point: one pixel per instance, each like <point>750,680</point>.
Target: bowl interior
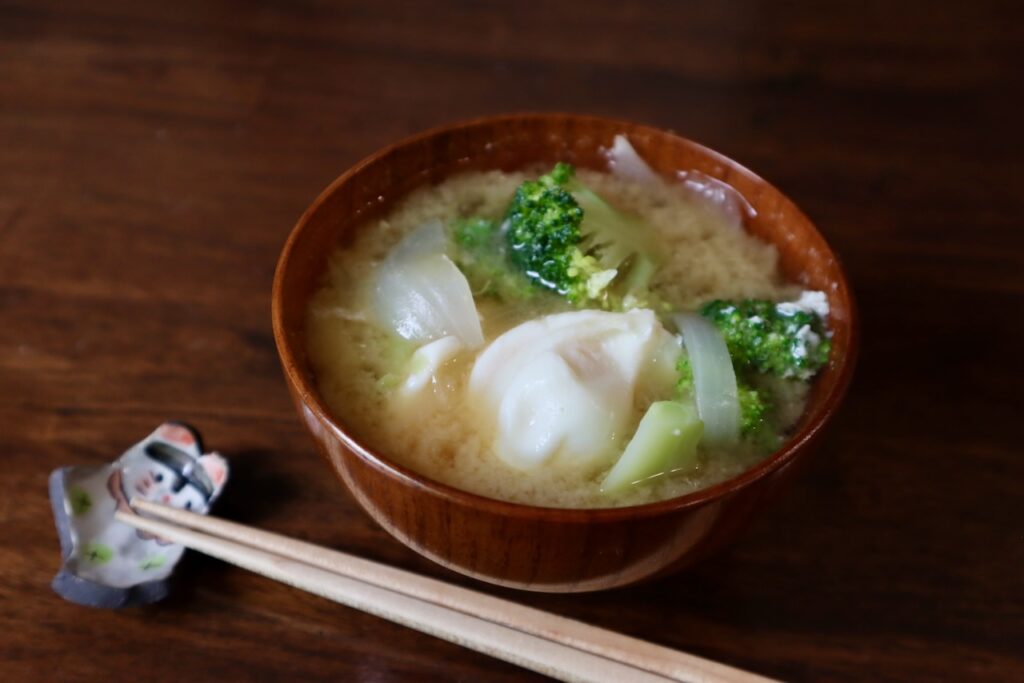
<point>370,188</point>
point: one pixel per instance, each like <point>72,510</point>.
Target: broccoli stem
<point>666,440</point>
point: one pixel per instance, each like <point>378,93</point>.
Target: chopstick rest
<point>106,562</point>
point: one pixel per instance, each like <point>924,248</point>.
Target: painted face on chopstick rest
<point>170,469</point>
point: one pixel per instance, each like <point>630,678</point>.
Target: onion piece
<point>714,379</point>
<point>426,239</point>
<point>422,295</point>
<point>719,194</point>
<point>626,163</point>
<point>426,363</point>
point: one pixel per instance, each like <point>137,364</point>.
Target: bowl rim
<point>779,459</point>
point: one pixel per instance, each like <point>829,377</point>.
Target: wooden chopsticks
<point>562,648</point>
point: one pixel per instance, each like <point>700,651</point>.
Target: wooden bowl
<point>534,548</point>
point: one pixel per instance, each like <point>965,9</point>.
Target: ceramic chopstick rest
<point>107,563</point>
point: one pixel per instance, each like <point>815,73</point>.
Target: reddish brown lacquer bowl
<point>535,548</point>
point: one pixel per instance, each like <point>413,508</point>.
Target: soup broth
<point>358,364</point>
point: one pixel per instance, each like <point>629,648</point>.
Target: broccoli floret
<point>566,238</point>
<point>481,256</point>
<point>753,410</point>
<point>544,229</point>
<point>475,234</point>
<point>754,405</point>
<point>772,338</point>
<point>684,386</point>
<point>395,354</point>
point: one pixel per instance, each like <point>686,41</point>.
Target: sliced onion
<point>626,163</point>
<point>714,379</point>
<point>426,239</point>
<point>422,295</point>
<point>721,195</point>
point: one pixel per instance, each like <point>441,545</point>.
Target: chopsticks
<point>562,648</point>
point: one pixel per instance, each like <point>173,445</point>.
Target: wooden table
<point>153,157</point>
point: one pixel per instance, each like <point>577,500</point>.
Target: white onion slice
<point>714,379</point>
<point>626,163</point>
<point>422,295</point>
<point>721,195</point>
<point>426,239</point>
<point>426,363</point>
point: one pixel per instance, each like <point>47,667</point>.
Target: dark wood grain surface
<point>153,157</point>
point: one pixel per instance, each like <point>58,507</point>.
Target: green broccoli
<point>480,254</point>
<point>773,338</point>
<point>665,440</point>
<point>684,387</point>
<point>754,405</point>
<point>566,238</point>
<point>754,409</point>
<point>475,234</point>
